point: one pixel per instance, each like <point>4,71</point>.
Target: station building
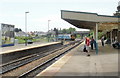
<point>109,25</point>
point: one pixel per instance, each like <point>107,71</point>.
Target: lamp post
<point>48,29</point>
<point>26,27</point>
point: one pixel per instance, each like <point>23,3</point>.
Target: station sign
<point>6,35</point>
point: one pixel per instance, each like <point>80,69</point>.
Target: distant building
<point>20,34</point>
<point>40,33</point>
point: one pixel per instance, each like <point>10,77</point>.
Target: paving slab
<point>77,63</point>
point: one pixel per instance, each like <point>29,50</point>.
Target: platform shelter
<point>93,21</point>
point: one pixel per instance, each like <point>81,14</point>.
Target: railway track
<point>34,71</point>
<point>20,62</point>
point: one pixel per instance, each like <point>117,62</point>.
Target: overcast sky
<point>13,12</point>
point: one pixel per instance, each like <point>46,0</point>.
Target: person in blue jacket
<point>96,46</point>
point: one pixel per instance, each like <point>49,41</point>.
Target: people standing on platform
<point>102,41</point>
<point>92,42</point>
<point>95,44</point>
<point>87,42</point>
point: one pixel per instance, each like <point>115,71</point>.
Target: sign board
<point>7,35</point>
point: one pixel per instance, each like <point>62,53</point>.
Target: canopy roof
<point>88,20</point>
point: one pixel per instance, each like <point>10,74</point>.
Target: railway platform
<point>12,53</point>
<point>77,63</point>
<point>19,46</point>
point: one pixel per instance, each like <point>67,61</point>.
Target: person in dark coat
<point>92,42</point>
<point>102,41</point>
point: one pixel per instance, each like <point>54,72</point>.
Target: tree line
<point>17,29</point>
<point>65,31</point>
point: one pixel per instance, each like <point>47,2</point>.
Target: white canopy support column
<point>97,24</point>
<point>94,33</point>
<point>97,32</point>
